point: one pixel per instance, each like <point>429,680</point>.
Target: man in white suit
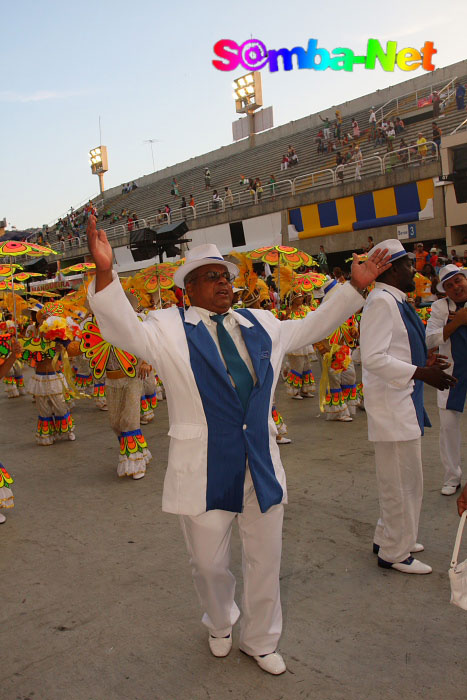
<point>395,365</point>
<point>220,368</point>
<point>447,330</point>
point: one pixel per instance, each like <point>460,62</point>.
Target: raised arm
<point>101,252</point>
<point>345,301</point>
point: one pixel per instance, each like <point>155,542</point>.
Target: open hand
<point>436,360</point>
<point>365,273</point>
<point>99,246</point>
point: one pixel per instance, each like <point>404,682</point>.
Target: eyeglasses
<point>215,276</point>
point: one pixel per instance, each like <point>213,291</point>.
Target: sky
<point>145,68</point>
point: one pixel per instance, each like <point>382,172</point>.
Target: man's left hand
<point>365,273</point>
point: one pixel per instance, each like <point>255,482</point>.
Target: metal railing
<point>410,155</point>
<point>458,128</point>
<point>417,95</point>
<point>320,178</point>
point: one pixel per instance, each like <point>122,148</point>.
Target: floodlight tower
<point>99,163</point>
<point>248,96</point>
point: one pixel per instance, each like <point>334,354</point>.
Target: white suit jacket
<point>161,340</point>
<point>387,368</point>
<point>440,311</point>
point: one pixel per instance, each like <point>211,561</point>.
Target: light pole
<point>151,141</point>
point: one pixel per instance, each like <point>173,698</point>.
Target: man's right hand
<point>434,376</point>
<point>101,252</point>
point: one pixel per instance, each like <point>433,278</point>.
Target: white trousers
<point>450,445</point>
<point>400,489</point>
<point>207,537</point>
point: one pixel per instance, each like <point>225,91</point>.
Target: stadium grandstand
<point>383,187</point>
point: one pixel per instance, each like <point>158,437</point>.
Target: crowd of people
<point>220,342</point>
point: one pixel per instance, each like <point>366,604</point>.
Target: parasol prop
<point>13,249</point>
<point>79,267</point>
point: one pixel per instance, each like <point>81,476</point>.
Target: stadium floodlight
<point>99,163</point>
<point>248,93</point>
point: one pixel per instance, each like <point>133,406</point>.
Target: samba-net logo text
<point>253,55</point>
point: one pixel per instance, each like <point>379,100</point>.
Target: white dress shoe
<point>220,646</point>
<point>271,663</point>
<point>298,397</point>
<point>139,475</point>
<point>282,440</point>
<point>2,518</point>
<point>449,490</point>
<point>345,419</point>
<point>408,566</point>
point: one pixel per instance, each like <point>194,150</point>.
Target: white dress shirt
<point>233,329</point>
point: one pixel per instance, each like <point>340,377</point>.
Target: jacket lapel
<point>198,335</point>
<point>260,353</point>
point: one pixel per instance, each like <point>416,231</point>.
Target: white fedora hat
<point>394,247</point>
<point>197,257</point>
<point>446,273</point>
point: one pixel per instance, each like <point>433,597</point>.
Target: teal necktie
<point>235,365</point>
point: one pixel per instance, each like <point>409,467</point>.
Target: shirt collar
<point>205,315</point>
<point>398,293</point>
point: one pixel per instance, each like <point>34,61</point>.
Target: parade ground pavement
<point>97,597</point>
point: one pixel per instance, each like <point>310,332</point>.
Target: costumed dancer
<point>47,384</point>
<point>258,298</point>
<point>447,330</point>
<point>300,379</point>
<point>339,396</point>
<point>7,359</point>
<point>123,387</point>
<point>13,379</point>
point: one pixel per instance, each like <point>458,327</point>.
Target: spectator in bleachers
<point>399,125</point>
<point>326,127</point>
<point>134,186</point>
<point>107,214</point>
<point>216,200</point>
<point>252,188</point>
<point>422,147</point>
<point>272,186</point>
<point>229,196</point>
<point>244,180</point>
<point>183,207</point>
<point>319,140</point>
<point>167,210</point>
<point>340,167</point>
<point>192,201</point>
<point>292,156</point>
<point>134,216</point>
<point>284,162</point>
<point>460,96</point>
<point>175,192</point>
<point>380,137</point>
<point>436,102</point>
<point>358,158</point>
<point>130,224</point>
<point>207,179</point>
<point>436,137</point>
<point>259,189</point>
<point>338,117</point>
<point>159,217</point>
<point>390,136</point>
<point>355,128</point>
<point>372,123</point>
<point>337,130</point>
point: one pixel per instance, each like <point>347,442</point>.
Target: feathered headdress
<point>247,277</point>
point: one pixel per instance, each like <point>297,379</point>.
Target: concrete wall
<point>441,75</point>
